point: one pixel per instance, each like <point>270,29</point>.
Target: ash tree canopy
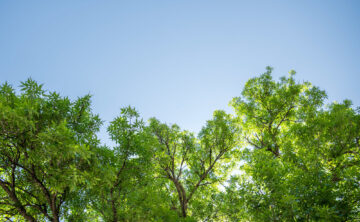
<point>301,159</point>
<point>282,156</point>
<point>46,149</point>
<point>194,167</point>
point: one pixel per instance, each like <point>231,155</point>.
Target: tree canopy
<point>282,155</point>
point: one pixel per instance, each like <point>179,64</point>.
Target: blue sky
<point>178,60</point>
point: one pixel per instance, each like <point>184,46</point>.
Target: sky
<point>177,61</point>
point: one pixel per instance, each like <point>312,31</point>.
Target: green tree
<point>192,167</point>
<point>46,146</point>
<point>123,172</point>
<point>302,160</point>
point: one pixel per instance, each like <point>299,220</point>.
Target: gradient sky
<point>177,60</point>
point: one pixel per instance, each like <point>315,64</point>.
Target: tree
<point>123,172</point>
<point>301,162</point>
<point>191,166</point>
<point>46,146</point>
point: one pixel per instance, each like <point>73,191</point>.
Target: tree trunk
<point>184,209</point>
<point>182,197</point>
<point>54,209</point>
<point>113,206</point>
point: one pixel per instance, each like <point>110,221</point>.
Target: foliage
<point>282,156</point>
<point>46,142</point>
<point>301,162</point>
<point>194,167</point>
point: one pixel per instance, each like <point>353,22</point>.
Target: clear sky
<point>177,60</point>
